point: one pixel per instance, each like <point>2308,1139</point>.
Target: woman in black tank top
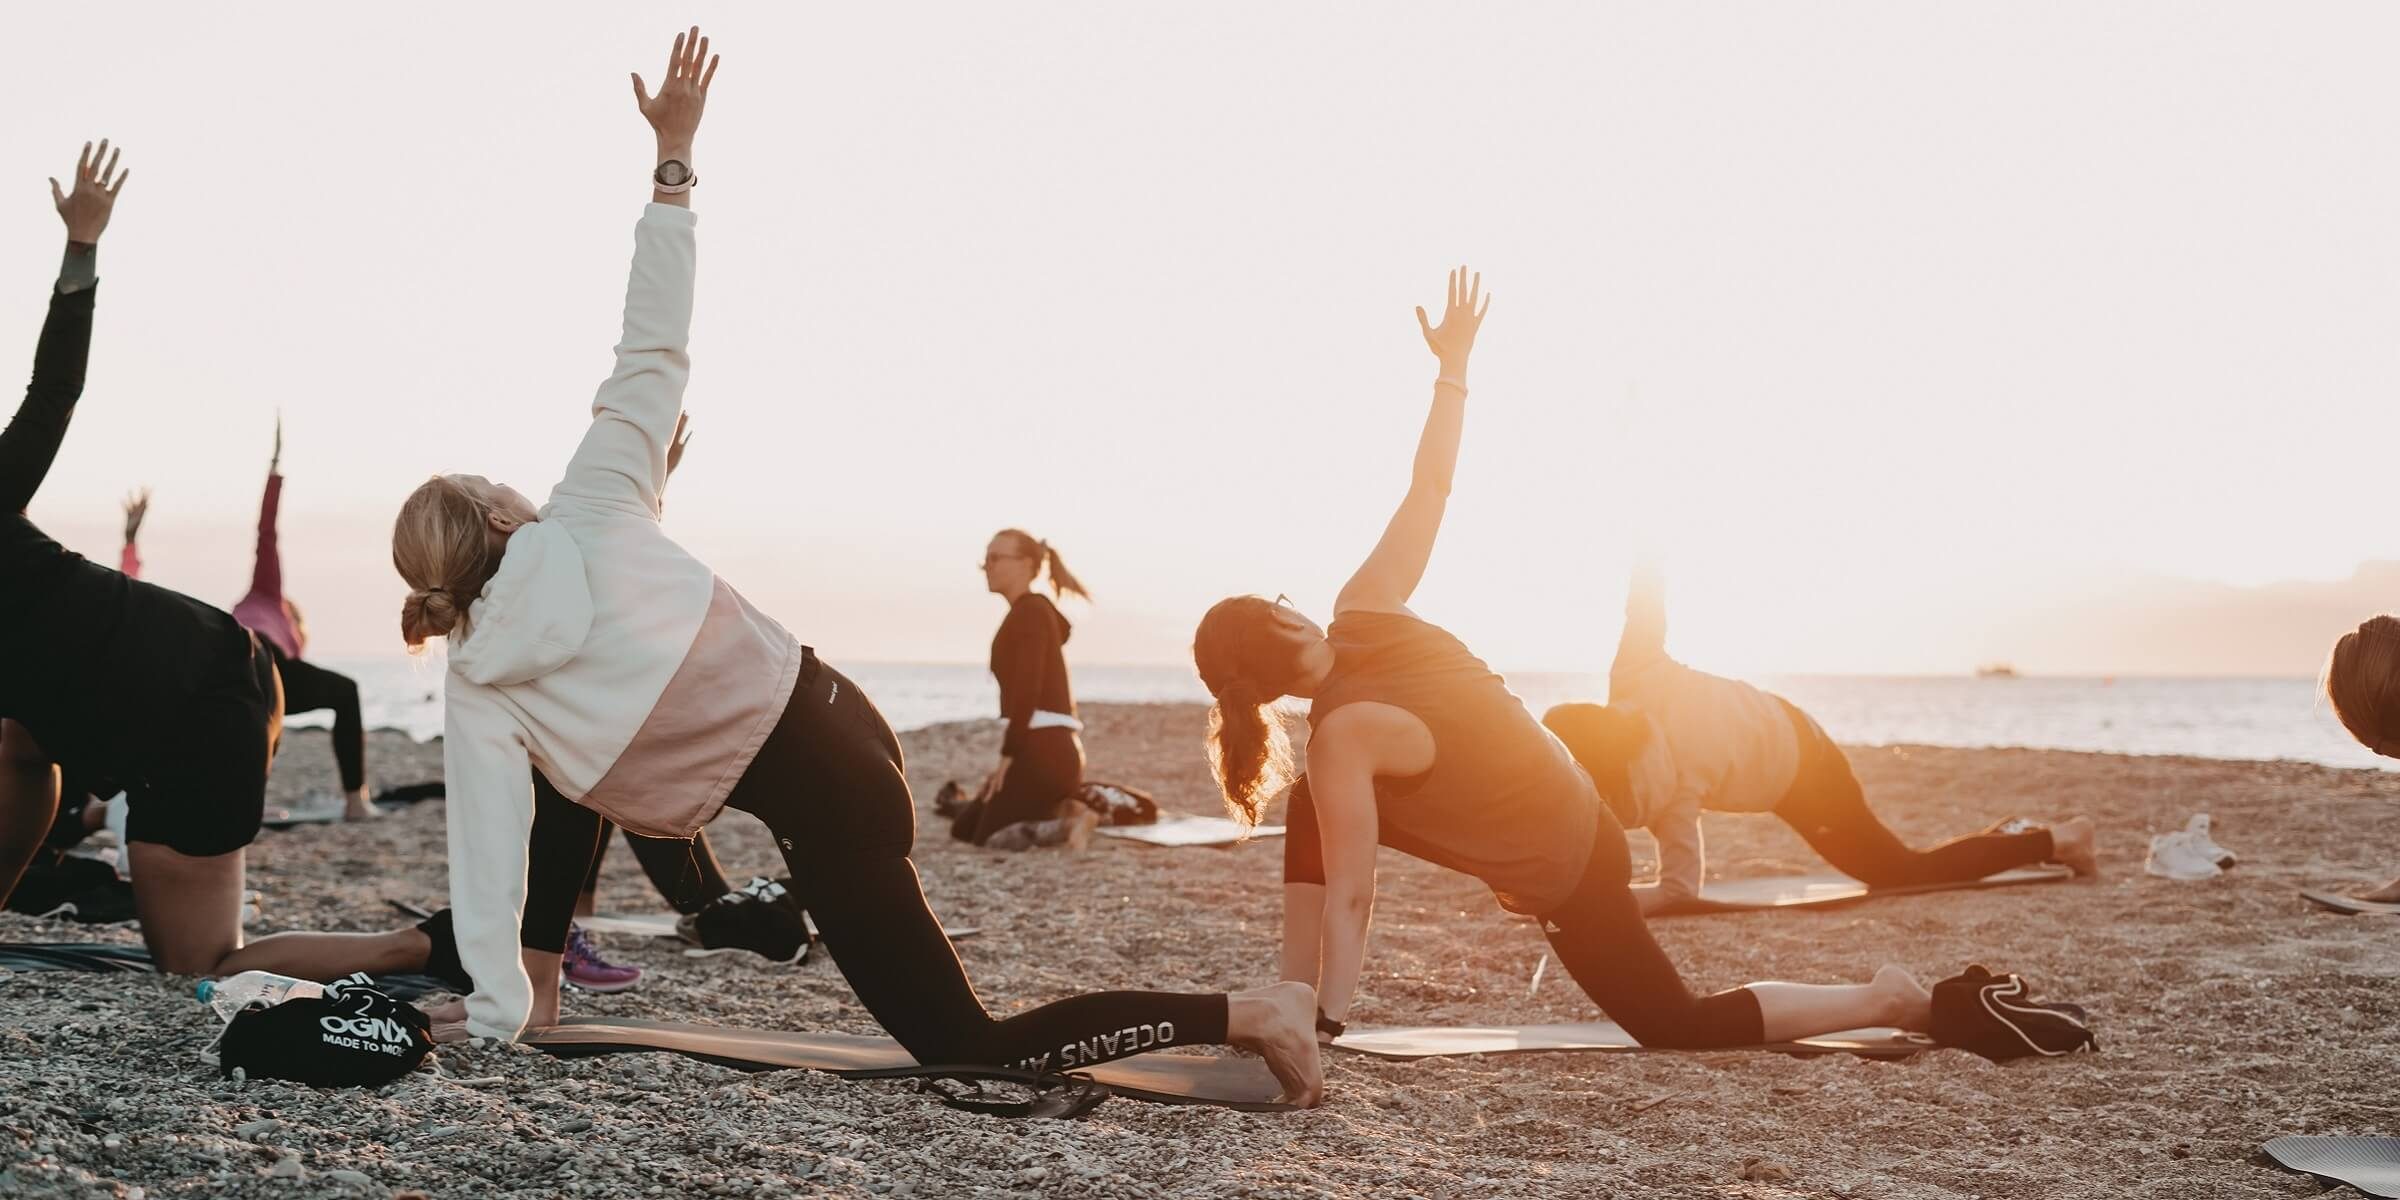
<point>1417,745</point>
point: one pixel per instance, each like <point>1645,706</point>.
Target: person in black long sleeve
<point>1030,798</point>
<point>111,676</point>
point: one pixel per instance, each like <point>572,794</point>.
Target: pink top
<point>262,611</point>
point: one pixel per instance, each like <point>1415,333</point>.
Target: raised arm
<point>30,443</point>
<point>1391,573</point>
<point>266,566</point>
<point>622,463</point>
<point>1645,635</point>
<point>137,506</point>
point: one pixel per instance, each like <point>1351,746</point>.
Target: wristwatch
<point>673,175</point>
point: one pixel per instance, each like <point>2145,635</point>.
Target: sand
<point>2229,1013</point>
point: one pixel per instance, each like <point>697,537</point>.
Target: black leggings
<point>687,874</point>
<point>828,783</point>
<point>308,687</point>
<point>1601,939</point>
<point>1828,809</point>
<point>1048,770</point>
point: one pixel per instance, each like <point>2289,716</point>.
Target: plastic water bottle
<point>234,993</point>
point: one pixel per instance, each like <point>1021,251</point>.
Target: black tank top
<point>1504,801</point>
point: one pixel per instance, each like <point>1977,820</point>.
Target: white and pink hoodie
<point>601,652</point>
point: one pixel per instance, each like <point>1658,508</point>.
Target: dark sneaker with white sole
<point>763,918</point>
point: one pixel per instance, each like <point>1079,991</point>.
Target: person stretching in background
<point>1672,741</point>
<point>2362,682</point>
<point>307,687</point>
<point>118,678</point>
<point>1030,798</point>
<point>1417,745</point>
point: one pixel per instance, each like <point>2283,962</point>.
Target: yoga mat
<point>326,811</point>
<point>120,958</point>
<point>107,957</point>
<point>2370,1164</point>
<point>1189,831</point>
<point>1240,1083</point>
<point>662,925</point>
<point>1596,1037</point>
<point>1829,890</point>
<point>2350,904</point>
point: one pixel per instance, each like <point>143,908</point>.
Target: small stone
<point>442,1131</point>
<point>1759,1170</point>
<point>287,1167</point>
<point>354,1178</point>
<point>575,1125</point>
<point>112,1141</point>
<point>251,1130</point>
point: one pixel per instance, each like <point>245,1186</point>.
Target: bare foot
<point>1906,1002</point>
<point>2387,894</point>
<point>359,806</point>
<point>1081,821</point>
<point>2075,842</point>
<point>1280,1023</point>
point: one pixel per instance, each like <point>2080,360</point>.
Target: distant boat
<point>1995,671</point>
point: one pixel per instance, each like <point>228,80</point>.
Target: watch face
<point>673,171</point>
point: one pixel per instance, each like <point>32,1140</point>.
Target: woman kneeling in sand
<point>1416,744</point>
<point>586,642</point>
<point>1672,741</point>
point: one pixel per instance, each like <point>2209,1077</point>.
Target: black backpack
<point>1997,1017</point>
<point>352,1036</point>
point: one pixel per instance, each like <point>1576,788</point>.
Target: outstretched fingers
<point>706,79</point>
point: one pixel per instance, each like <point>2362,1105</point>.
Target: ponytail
<point>1235,648</point>
<point>1249,750</point>
<point>1062,580</point>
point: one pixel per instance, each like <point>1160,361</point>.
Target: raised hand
<point>137,506</point>
<point>1453,339</point>
<point>674,113</point>
<point>675,444</point>
<point>86,208</point>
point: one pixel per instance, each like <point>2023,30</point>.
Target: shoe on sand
<point>763,917</point>
<point>583,969</point>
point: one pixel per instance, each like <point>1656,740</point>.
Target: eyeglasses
<point>992,560</point>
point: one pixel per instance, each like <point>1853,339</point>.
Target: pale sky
<point>1897,328</point>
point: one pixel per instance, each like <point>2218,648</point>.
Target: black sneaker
<point>763,918</point>
<point>951,800</point>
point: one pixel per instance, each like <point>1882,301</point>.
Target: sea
<point>2257,719</point>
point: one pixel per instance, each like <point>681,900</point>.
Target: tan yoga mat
<point>1161,1078</point>
<point>1190,831</point>
<point>1597,1037</point>
<point>662,925</point>
<point>1829,890</point>
<point>2349,904</point>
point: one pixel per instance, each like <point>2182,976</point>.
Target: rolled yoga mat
<point>1190,831</point>
<point>1829,890</point>
<point>2370,1164</point>
<point>1597,1037</point>
<point>1239,1083</point>
<point>2349,904</point>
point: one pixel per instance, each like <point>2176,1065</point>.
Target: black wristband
<point>1329,1027</point>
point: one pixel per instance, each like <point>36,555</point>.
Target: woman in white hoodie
<point>585,642</point>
